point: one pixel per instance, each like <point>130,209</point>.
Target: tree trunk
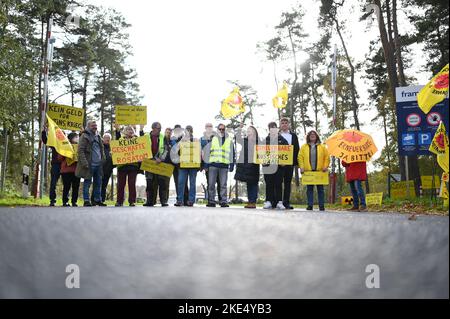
<point>85,84</point>
<point>352,76</point>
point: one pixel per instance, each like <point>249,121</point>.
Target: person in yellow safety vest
<point>161,152</point>
<point>221,160</point>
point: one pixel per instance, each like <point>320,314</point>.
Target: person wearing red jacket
<point>355,174</point>
<point>68,168</point>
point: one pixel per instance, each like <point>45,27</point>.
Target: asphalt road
<point>220,253</point>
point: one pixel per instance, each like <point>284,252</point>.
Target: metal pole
<point>333,159</point>
<point>407,175</point>
<point>44,106</point>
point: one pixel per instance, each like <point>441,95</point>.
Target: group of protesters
<point>218,158</point>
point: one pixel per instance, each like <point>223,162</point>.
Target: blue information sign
<point>415,128</point>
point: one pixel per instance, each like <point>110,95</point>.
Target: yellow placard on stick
<point>427,182</point>
<point>190,155</point>
<point>403,190</point>
<point>374,199</point>
<point>133,150</point>
<point>162,169</point>
<point>66,117</point>
<point>274,154</point>
<point>131,115</point>
<point>315,178</point>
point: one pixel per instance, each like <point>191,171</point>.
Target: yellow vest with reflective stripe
<point>220,153</point>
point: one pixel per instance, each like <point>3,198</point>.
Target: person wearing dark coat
<point>273,173</point>
<point>246,169</point>
<point>55,171</point>
<point>288,170</point>
<point>107,166</point>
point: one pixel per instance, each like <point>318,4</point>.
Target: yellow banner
<point>374,199</point>
<point>190,155</point>
<point>233,105</point>
<point>399,190</point>
<point>133,150</point>
<point>57,139</point>
<point>434,92</point>
<point>162,169</point>
<point>281,98</point>
<point>66,117</point>
<point>427,182</point>
<point>131,115</point>
<point>315,178</point>
<point>274,154</point>
<point>440,147</point>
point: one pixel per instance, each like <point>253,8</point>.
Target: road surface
<point>140,252</point>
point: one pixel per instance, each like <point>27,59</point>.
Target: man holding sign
<point>313,160</point>
<point>288,170</point>
<point>160,146</point>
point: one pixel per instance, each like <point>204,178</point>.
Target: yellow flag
<point>57,139</point>
<point>280,100</point>
<point>439,146</point>
<point>434,92</point>
<point>233,105</point>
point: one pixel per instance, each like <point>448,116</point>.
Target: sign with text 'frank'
<point>274,154</point>
<point>131,115</point>
<point>133,150</point>
<point>66,117</point>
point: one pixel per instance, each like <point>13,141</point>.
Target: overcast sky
<point>185,51</point>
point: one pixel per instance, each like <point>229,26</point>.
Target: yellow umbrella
<point>351,146</point>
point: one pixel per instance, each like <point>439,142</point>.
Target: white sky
<point>185,51</point>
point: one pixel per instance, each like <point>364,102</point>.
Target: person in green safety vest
<point>220,161</point>
<point>160,150</point>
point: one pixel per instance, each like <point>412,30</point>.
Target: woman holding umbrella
<point>354,148</point>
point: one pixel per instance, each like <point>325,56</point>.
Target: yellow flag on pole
<point>233,105</point>
<point>440,147</point>
<point>281,98</point>
<point>434,92</point>
<point>59,140</point>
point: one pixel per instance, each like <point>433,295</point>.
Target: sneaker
<point>178,204</point>
<point>309,208</point>
<point>164,205</point>
<point>74,205</point>
<point>267,205</point>
<point>210,205</point>
<point>224,205</point>
<point>288,206</point>
<point>52,204</point>
<point>132,205</point>
<point>118,205</point>
<point>190,204</point>
<point>250,205</point>
<point>322,208</point>
<point>363,208</point>
<point>100,204</point>
<point>87,204</point>
<point>354,209</point>
<point>146,204</point>
<point>66,205</point>
<point>280,206</point>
